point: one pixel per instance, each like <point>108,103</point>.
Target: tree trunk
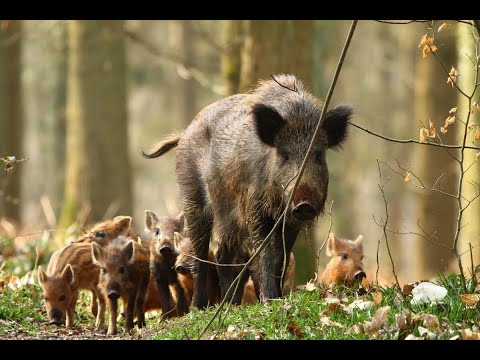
<point>10,115</point>
<point>276,46</point>
<point>98,172</point>
<point>433,100</point>
<point>231,58</point>
<point>272,47</point>
<point>466,81</point>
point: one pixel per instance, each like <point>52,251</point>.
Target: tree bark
<point>98,171</point>
<point>11,122</point>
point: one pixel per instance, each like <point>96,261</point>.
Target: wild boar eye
<point>319,156</point>
<point>100,234</point>
<point>62,298</point>
<point>104,271</point>
<point>121,270</point>
<point>157,232</point>
<point>344,256</point>
<point>284,155</point>
<point>45,298</point>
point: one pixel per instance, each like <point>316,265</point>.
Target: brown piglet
<point>104,232</point>
<point>124,273</point>
<point>71,269</point>
<point>162,261</point>
<point>345,266</point>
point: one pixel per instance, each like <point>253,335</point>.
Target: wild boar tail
<point>168,143</point>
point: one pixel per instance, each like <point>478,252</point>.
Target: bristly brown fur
<point>168,143</point>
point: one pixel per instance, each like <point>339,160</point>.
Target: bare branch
<point>408,141</point>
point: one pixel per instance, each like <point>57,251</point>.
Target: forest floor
<point>310,312</point>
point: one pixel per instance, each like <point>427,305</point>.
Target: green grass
<point>302,315</point>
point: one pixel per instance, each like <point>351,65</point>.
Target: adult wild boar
<point>236,166</point>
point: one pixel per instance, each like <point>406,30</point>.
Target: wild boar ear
<point>97,253</point>
<point>129,251</point>
<point>181,220</point>
<point>335,125</point>
<point>359,242</point>
<point>124,222</point>
<point>151,220</point>
<point>268,122</point>
<point>177,238</point>
<point>331,244</point>
<point>42,276</point>
<point>68,275</point>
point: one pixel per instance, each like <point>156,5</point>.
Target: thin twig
<point>411,141</point>
<point>297,181</point>
<point>384,227</point>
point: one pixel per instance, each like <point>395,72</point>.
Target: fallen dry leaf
<point>427,334</point>
<point>365,283</point>
<point>295,329</point>
<point>407,288</point>
<point>408,178</point>
<point>359,304</point>
<point>470,299</point>
<point>377,297</point>
<point>443,27</point>
<point>325,321</point>
<point>231,328</point>
<point>379,319</point>
<point>468,334</point>
<point>401,322</point>
<point>413,337</point>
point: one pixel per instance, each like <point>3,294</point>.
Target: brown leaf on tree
<point>295,329</point>
<point>423,41</point>
<point>8,166</point>
<point>443,27</point>
<point>433,132</point>
<point>453,110</point>
<point>477,133</point>
<point>450,120</point>
<point>470,299</point>
<point>477,156</point>
<point>475,107</point>
<point>423,134</point>
<point>452,78</point>
<point>408,178</point>
<point>443,130</point>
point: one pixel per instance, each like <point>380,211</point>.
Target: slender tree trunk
<point>466,81</point>
<point>98,172</point>
<point>10,115</point>
<point>276,46</point>
<point>433,100</point>
<point>231,58</point>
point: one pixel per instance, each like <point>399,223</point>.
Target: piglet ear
<point>335,125</point>
<point>359,242</point>
<point>151,220</point>
<point>331,242</point>
<point>42,276</point>
<point>68,275</point>
<point>268,123</point>
<point>124,223</point>
<point>129,251</point>
<point>97,253</point>
<point>177,238</point>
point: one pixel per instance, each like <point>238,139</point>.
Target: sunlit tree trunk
<point>98,172</point>
<point>10,116</point>
<point>466,81</point>
<point>434,98</point>
<point>231,58</point>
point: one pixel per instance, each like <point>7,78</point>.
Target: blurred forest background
<point>81,99</point>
